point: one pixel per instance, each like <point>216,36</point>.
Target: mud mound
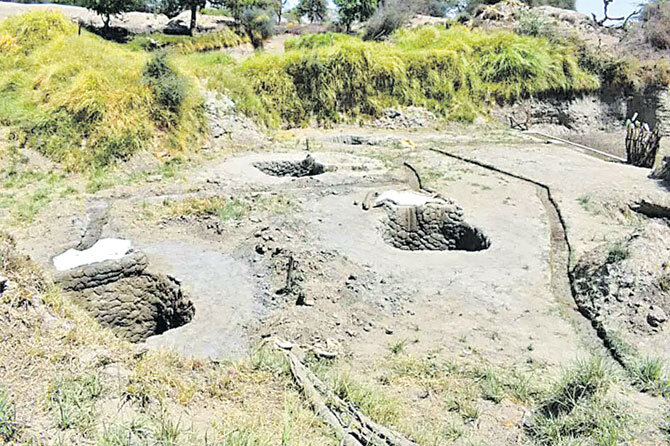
<point>305,168</point>
<point>431,227</point>
<point>627,282</point>
<point>123,296</point>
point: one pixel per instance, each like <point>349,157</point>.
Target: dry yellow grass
<point>71,381</point>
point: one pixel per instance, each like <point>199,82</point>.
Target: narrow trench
<point>562,284</point>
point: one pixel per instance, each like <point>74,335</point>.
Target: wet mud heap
<point>122,295</point>
<point>431,227</point>
<point>305,168</point>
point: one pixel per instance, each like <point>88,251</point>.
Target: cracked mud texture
<point>123,296</point>
<point>431,227</point>
<point>305,168</point>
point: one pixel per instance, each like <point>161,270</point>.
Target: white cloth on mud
<point>103,249</point>
<point>404,198</point>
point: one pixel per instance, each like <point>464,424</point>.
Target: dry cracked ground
<point>547,324</point>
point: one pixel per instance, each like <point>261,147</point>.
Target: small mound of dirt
<point>305,168</point>
<point>431,227</point>
<point>123,296</point>
<point>625,285</point>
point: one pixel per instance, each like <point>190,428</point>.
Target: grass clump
<point>650,374</point>
<point>220,207</point>
<point>319,40</point>
<point>229,208</point>
<point>618,252</point>
<point>198,43</point>
<point>72,400</point>
<point>8,423</point>
<point>578,411</point>
<point>367,397</point>
<point>80,100</point>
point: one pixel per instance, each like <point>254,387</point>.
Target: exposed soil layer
<point>305,168</point>
<point>432,227</point>
<point>123,296</point>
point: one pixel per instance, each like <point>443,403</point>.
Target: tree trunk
<point>106,21</point>
<point>194,11</point>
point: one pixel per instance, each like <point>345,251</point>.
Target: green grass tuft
<point>618,252</point>
<point>578,411</point>
<point>650,375</point>
<point>8,423</point>
<point>72,401</point>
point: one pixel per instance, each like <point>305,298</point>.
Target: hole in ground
<point>431,227</point>
<point>305,168</point>
<point>123,296</point>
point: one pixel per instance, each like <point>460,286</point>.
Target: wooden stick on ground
<point>355,428</point>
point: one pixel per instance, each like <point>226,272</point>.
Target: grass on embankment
<point>458,73</point>
<point>86,102</point>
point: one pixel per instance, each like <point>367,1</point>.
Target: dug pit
<point>429,225</point>
<point>122,295</point>
<point>305,168</point>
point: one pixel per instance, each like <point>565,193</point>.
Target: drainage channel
<point>561,274</point>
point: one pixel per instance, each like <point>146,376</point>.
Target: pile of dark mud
<point>124,296</point>
<point>431,227</point>
<point>305,168</point>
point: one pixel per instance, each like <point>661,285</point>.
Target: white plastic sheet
<point>104,249</point>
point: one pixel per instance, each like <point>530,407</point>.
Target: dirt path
<point>561,250</point>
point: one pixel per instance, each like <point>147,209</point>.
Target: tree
<point>315,10</point>
<point>279,9</point>
<point>172,8</point>
<point>194,5</point>
<point>353,10</point>
<point>254,17</point>
<point>656,23</point>
<point>108,8</point>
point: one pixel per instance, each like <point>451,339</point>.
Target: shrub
<point>257,24</point>
<point>435,8</point>
<point>387,19</point>
<point>350,11</point>
<point>472,5</point>
<point>169,88</point>
<point>656,23</point>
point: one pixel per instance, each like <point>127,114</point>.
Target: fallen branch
<point>355,428</point>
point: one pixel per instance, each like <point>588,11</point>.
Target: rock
<point>656,316</point>
<point>284,345</point>
<point>5,285</point>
